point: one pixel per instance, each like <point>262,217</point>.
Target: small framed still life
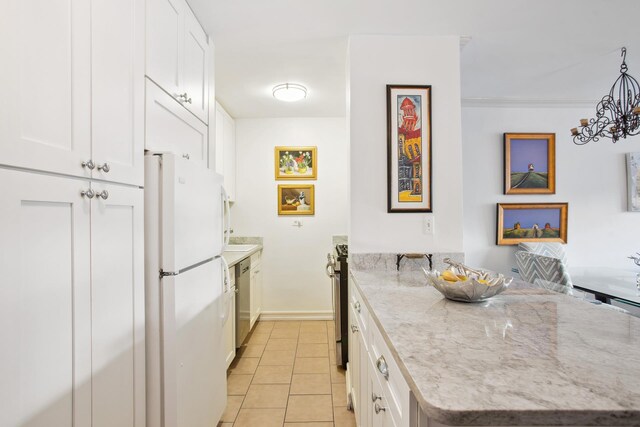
<point>296,163</point>
<point>296,199</point>
<point>532,222</point>
<point>529,163</point>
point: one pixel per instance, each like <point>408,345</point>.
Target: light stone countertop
<point>233,258</point>
<point>525,357</point>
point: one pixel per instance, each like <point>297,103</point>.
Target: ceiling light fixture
<point>617,114</point>
<point>289,92</point>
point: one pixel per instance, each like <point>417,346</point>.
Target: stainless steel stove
<point>338,271</point>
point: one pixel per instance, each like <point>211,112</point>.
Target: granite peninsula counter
<point>526,357</point>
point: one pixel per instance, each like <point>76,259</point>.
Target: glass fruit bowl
<point>461,283</point>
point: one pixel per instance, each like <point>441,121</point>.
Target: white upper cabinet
<point>73,87</point>
<point>169,127</point>
<point>177,54</point>
<point>45,81</point>
<point>225,148</point>
<point>118,90</point>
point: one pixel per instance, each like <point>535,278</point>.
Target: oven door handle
<point>331,266</point>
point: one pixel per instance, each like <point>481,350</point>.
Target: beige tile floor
<point>285,375</point>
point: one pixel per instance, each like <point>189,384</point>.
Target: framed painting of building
<point>409,148</point>
<point>529,163</point>
<point>633,182</point>
<point>296,163</point>
<point>532,222</point>
<point>296,199</point>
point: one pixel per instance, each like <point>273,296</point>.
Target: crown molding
<point>526,103</point>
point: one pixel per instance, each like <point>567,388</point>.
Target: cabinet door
<point>258,290</point>
<point>355,367</point>
<point>170,127</point>
<point>45,297</point>
<point>195,81</point>
<point>117,307</point>
<point>165,38</point>
<point>229,153</point>
<point>219,143</point>
<point>117,90</point>
<point>45,116</point>
<point>230,328</point>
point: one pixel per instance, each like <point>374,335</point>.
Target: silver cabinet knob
<point>375,397</point>
<point>381,364</point>
<point>379,408</point>
<point>104,194</point>
<point>185,156</point>
<point>183,97</point>
<point>88,193</point>
<point>237,291</point>
<point>357,306</point>
<point>354,328</point>
<point>88,164</point>
<point>104,168</point>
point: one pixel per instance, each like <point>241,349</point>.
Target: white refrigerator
<point>185,285</point>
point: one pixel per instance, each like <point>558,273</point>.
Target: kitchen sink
<point>240,248</point>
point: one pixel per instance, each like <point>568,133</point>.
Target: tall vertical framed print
<point>409,148</point>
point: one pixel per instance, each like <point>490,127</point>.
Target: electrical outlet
<point>427,225</point>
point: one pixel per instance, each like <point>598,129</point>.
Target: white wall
<point>591,178</point>
<point>374,62</point>
<point>293,258</point>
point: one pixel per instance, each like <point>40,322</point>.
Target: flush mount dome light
<point>289,92</point>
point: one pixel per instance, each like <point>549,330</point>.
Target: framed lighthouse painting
<point>529,163</point>
<point>409,148</point>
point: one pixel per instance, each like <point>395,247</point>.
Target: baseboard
<point>296,315</point>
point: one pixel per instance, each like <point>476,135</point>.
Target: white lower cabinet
<point>256,288</point>
<point>230,324</point>
<point>379,393</point>
<point>72,303</point>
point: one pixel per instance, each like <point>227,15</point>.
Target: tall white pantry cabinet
<point>71,213</point>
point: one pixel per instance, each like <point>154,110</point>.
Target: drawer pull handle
<point>375,397</point>
<point>379,408</point>
<point>354,329</point>
<point>357,306</point>
<point>381,364</point>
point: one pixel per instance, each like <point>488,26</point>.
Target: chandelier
<point>617,114</point>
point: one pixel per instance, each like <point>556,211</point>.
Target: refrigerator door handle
<point>184,270</point>
<point>227,210</point>
<point>226,286</point>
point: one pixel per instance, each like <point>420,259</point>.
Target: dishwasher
<point>243,300</point>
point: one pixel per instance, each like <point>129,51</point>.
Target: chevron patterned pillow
<point>553,250</point>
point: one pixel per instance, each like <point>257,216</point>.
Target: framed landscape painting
<point>633,182</point>
<point>296,163</point>
<point>532,222</point>
<point>409,148</point>
<point>296,199</point>
<point>529,163</point>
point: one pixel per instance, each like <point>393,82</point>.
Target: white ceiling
<point>563,50</point>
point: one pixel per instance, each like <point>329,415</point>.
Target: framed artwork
<point>532,222</point>
<point>409,148</point>
<point>633,182</point>
<point>296,199</point>
<point>296,163</point>
<point>529,163</point>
